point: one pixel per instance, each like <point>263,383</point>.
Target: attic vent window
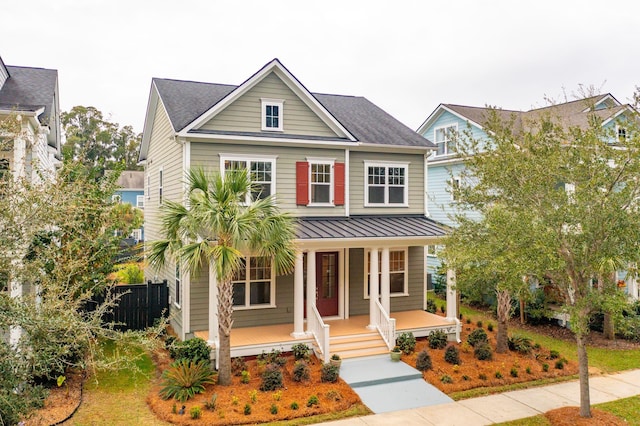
<point>272,110</point>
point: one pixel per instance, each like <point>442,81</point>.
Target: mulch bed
<point>61,403</point>
<point>472,373</point>
<point>231,400</point>
<point>570,416</point>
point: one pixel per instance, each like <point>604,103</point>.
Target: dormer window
<point>272,110</point>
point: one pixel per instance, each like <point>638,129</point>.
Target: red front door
<point>327,283</point>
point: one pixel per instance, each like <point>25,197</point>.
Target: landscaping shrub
<point>443,308</point>
<point>294,405</point>
<point>195,412</point>
<point>490,326</point>
<point>273,357</point>
<point>274,409</point>
<point>476,336</point>
<point>300,371</point>
<point>545,367</point>
<point>246,376</point>
<point>528,370</point>
<point>300,351</point>
<point>211,404</point>
<point>423,360</point>
<point>271,378</point>
<point>247,409</point>
<point>482,351</point>
<point>437,339</point>
<point>193,350</point>
<point>184,379</point>
<point>334,395</point>
<point>452,355</point>
<point>498,375</point>
<point>238,365</point>
<point>560,364</point>
<point>407,342</point>
<point>520,344</point>
<point>329,373</point>
<point>130,273</point>
<point>479,324</point>
<point>253,396</point>
<point>431,306</point>
<point>553,354</point>
<point>446,379</point>
<point>514,372</point>
<point>313,400</point>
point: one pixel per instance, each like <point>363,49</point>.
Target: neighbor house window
<point>321,182</point>
<point>398,282</point>
<point>140,201</point>
<point>160,186</point>
<point>445,139</point>
<point>455,187</point>
<point>253,283</point>
<point>622,133</point>
<point>386,184</point>
<point>261,171</point>
<point>431,251</point>
<point>178,293</point>
<point>116,198</point>
<point>272,114</point>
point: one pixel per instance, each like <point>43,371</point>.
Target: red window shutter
<point>338,189</point>
<point>302,183</point>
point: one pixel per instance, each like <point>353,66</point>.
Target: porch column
<point>298,298</point>
<point>385,291</point>
<point>633,288</point>
<point>213,306</point>
<point>451,295</point>
<point>15,290</point>
<point>373,287</point>
<point>311,283</point>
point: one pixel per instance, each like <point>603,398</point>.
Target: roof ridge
<point>31,68</point>
<point>486,107</point>
<point>603,95</point>
<point>193,81</point>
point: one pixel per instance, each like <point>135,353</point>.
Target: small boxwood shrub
<point>300,371</point>
<point>423,360</point>
<point>247,409</point>
<point>271,378</point>
<point>294,405</point>
<point>498,375</point>
<point>274,409</point>
<point>431,306</point>
<point>483,351</point>
<point>300,351</point>
<point>437,339</point>
<point>406,342</point>
<point>545,367</point>
<point>476,336</point>
<point>513,372</point>
<point>329,373</point>
<point>193,350</point>
<point>238,365</point>
<point>446,379</point>
<point>490,326</point>
<point>313,400</point>
<point>452,355</point>
<point>559,364</point>
<point>479,324</point>
<point>553,354</point>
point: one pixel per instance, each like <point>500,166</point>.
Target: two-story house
<point>130,189</point>
<point>448,122</point>
<point>352,175</point>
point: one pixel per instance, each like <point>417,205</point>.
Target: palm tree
<point>219,228</point>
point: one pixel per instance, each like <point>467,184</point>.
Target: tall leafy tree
<point>219,228</point>
<point>559,203</point>
<point>97,142</point>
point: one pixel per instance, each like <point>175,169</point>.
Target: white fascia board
<point>259,140</point>
<point>617,114</point>
<point>386,148</point>
<point>290,81</point>
<point>154,98</point>
<point>608,96</point>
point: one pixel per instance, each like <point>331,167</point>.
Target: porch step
<point>357,345</point>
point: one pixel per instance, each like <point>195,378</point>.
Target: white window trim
<point>116,198</point>
<point>160,185</point>
<point>178,283</point>
<point>386,164</point>
<point>247,294</point>
<point>435,132</point>
<point>247,158</point>
<point>140,201</point>
<point>618,128</point>
<point>331,162</point>
<point>272,102</point>
<point>452,182</point>
<point>429,252</point>
<point>406,272</point>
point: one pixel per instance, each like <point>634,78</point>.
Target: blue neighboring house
<point>445,167</point>
<point>131,190</point>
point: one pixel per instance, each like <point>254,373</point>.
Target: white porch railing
<point>385,325</point>
<point>320,332</point>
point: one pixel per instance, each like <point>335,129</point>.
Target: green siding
<point>207,154</point>
<point>245,113</point>
<point>200,300</point>
<point>281,314</point>
<point>358,305</point>
<point>357,180</point>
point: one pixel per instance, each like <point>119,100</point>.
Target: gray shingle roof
<point>187,100</point>
<point>131,179</point>
<point>28,89</point>
<point>310,228</point>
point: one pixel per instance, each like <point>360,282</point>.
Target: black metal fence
<point>139,305</point>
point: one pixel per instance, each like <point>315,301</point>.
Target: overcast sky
<point>405,56</point>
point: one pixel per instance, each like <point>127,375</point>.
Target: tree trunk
<point>522,306</point>
<point>225,321</point>
<point>608,327</point>
<point>583,364</point>
<point>504,308</point>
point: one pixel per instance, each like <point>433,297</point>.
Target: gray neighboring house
<point>352,175</point>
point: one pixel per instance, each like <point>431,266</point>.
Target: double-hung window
<point>178,288</point>
<point>386,184</point>
<point>160,186</point>
<point>261,172</point>
<point>398,280</point>
<point>140,201</point>
<point>253,284</point>
<point>445,139</point>
<point>272,110</point>
<point>321,182</point>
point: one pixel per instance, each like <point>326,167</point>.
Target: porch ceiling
<point>417,229</point>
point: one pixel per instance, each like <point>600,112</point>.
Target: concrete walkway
<point>508,406</point>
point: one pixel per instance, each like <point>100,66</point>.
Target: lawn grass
<point>627,409</point>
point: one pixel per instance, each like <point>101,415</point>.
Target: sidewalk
<point>508,406</point>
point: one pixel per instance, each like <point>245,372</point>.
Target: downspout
<point>346,183</point>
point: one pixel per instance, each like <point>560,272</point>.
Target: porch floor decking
<point>281,333</point>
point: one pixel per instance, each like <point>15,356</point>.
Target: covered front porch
<point>247,341</point>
